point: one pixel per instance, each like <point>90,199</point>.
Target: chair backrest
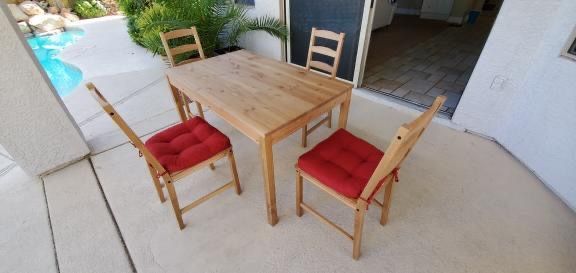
<point>400,146</point>
<point>322,50</point>
<point>109,109</point>
<point>172,52</point>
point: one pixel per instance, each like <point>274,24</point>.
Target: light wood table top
<point>265,99</point>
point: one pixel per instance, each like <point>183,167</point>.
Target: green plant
<point>220,23</point>
<point>133,7</point>
<point>89,8</point>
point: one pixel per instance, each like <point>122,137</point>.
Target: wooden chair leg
<point>358,225</point>
<point>304,136</point>
<point>329,123</point>
<point>200,111</point>
<point>234,172</point>
<point>157,184</point>
<point>299,194</point>
<point>174,200</point>
<point>387,202</point>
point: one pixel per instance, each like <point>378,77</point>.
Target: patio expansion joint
<point>142,135</point>
<point>7,169</point>
<point>50,226</point>
<point>116,226</point>
<point>121,101</point>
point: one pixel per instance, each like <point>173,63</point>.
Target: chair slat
<point>325,220</point>
<point>171,52</point>
<point>206,197</point>
<point>183,49</point>
<point>179,33</point>
<point>322,66</point>
<point>324,51</point>
<point>326,34</point>
<point>187,61</point>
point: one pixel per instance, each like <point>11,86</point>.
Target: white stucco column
<point>35,127</point>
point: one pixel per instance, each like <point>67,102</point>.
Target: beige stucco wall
<point>532,112</point>
<point>35,128</point>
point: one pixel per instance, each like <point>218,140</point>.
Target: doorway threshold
<point>392,99</point>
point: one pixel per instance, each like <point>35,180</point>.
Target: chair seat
<point>342,162</point>
<point>186,144</point>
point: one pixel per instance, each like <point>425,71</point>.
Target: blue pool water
<point>63,76</point>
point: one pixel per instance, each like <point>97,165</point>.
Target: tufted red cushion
<point>187,144</point>
<point>342,162</point>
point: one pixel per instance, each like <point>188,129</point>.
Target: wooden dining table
<point>265,99</point>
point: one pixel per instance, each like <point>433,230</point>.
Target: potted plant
<point>220,23</point>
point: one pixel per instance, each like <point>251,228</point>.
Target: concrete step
<point>25,238</point>
<point>86,238</point>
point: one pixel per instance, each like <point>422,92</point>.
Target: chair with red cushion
<point>354,171</point>
<point>176,152</point>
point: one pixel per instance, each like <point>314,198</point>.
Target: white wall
<point>410,4</point>
<point>533,113</point>
<point>261,42</point>
<point>35,128</point>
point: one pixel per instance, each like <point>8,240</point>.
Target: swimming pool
<point>63,76</point>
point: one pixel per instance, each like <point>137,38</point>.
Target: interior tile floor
<point>440,65</point>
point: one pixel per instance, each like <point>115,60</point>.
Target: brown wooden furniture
<point>159,170</point>
<point>173,52</point>
<point>321,167</point>
<point>332,69</point>
<point>265,99</point>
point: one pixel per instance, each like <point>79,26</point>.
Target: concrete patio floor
<point>463,204</point>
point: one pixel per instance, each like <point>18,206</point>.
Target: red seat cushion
<point>342,162</point>
<point>187,144</point>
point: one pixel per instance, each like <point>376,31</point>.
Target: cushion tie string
<point>158,175</point>
<point>161,174</point>
<point>395,178</point>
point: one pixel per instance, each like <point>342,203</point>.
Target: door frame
<point>364,41</point>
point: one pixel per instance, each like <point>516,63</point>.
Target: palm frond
<point>270,25</point>
<point>219,22</point>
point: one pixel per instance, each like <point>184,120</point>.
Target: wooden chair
<point>173,52</point>
<point>332,69</point>
<point>199,144</point>
<point>353,171</point>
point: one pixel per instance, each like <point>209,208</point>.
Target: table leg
<point>177,101</point>
<point>344,108</point>
<point>269,184</point>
